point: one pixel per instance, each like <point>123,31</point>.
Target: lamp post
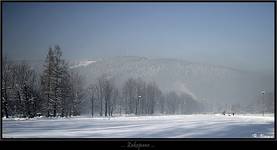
<point>137,104</point>
<point>263,92</point>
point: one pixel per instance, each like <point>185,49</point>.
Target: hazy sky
<point>238,35</point>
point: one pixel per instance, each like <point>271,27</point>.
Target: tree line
<point>60,91</point>
<point>57,91</point>
<point>137,97</point>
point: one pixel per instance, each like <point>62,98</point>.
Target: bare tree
<point>78,93</point>
<point>114,100</point>
<point>153,92</point>
<point>24,80</point>
<point>92,91</point>
<point>6,86</point>
<point>108,89</point>
<point>100,89</point>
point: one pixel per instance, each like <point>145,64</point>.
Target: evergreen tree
<point>47,81</point>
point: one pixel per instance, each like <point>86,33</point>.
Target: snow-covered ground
<point>83,63</point>
<point>173,126</point>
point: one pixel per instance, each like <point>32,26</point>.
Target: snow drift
<point>173,126</point>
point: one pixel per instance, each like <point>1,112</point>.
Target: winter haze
<point>138,59</point>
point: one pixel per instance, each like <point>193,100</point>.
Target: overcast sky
<point>239,35</point>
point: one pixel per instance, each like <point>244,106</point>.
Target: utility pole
<point>263,92</point>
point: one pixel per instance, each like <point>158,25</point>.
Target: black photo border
<point>124,143</point>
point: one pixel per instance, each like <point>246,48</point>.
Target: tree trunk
<point>70,111</point>
<point>62,113</point>
<point>136,112</point>
<point>101,106</point>
<point>47,107</point>
<point>5,103</point>
<point>6,110</point>
<point>55,110</point>
<point>92,102</point>
<point>106,107</point>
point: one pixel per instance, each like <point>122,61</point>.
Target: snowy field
<point>173,126</point>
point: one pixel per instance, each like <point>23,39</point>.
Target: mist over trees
<point>136,97</point>
<point>58,91</point>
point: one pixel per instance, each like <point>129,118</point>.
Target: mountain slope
<point>204,82</point>
<point>207,83</point>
